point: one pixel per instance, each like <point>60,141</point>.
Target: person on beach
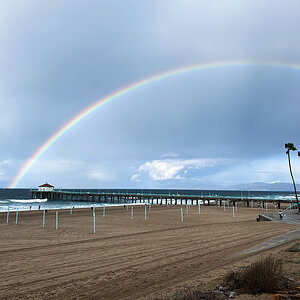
<point>280,213</point>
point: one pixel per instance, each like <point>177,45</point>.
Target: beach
<point>126,258</point>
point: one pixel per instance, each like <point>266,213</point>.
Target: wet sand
<point>125,259</point>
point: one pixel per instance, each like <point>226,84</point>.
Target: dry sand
<point>125,259</point>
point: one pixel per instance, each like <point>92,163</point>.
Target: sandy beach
<point>125,259</point>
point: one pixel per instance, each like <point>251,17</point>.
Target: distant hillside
<point>264,186</point>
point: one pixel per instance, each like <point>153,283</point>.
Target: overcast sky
<point>221,126</point>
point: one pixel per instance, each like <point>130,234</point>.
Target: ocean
<point>20,198</point>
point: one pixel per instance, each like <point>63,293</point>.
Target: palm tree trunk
<point>293,181</point>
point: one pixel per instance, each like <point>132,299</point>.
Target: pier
<point>152,198</point>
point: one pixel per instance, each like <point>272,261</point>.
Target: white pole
<point>131,212</point>
<point>56,225</point>
<point>224,206</point>
<point>71,210</point>
<point>150,207</point>
<point>181,215</point>
<point>233,211</point>
<point>7,214</point>
<point>44,219</point>
<point>236,206</point>
<point>187,209</point>
<point>17,216</point>
<point>266,206</point>
<point>145,212</point>
<point>104,211</point>
<point>94,216</point>
<point>199,208</point>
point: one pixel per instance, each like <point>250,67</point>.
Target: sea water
<point>21,198</point>
<point>41,204</point>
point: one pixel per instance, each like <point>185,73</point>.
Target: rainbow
<point>125,90</point>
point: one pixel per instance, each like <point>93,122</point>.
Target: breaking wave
<point>28,200</point>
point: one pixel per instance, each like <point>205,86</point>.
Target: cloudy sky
<point>216,127</point>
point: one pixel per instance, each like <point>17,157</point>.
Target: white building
<point>46,187</point>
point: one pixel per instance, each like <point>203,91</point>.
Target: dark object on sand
<point>263,218</point>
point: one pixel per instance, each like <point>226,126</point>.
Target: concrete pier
<point>133,197</point>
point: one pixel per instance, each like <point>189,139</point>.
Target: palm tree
<point>291,147</point>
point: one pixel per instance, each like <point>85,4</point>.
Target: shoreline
<point>82,205</point>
